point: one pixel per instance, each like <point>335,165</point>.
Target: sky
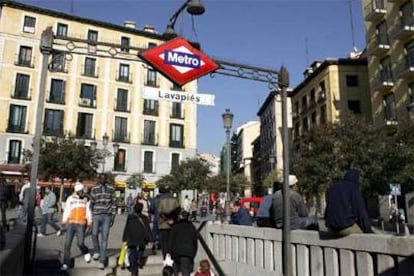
<point>264,33</point>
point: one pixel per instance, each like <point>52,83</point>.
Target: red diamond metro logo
<point>179,61</point>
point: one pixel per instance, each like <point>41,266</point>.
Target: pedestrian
<point>345,211</point>
<point>137,234</point>
<point>265,212</point>
<point>155,229</point>
<point>204,269</point>
<point>4,199</point>
<point>239,215</point>
<point>103,206</point>
<point>168,209</point>
<point>77,218</point>
<point>299,218</point>
<point>130,204</point>
<point>194,210</point>
<point>24,199</point>
<point>182,244</point>
<point>48,210</point>
<point>143,198</point>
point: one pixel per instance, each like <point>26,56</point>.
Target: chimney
<point>149,28</point>
<point>130,24</point>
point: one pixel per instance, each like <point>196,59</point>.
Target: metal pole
<point>36,151</point>
<point>228,175</point>
<point>287,250</point>
<point>397,215</point>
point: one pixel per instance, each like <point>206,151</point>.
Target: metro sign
<point>179,61</point>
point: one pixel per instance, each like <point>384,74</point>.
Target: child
<point>76,216</point>
<point>204,269</point>
<point>182,244</point>
<point>137,233</point>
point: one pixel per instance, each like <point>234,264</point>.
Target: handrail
<point>208,251</point>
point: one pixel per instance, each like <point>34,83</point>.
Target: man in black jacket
<point>345,209</point>
<point>182,245</point>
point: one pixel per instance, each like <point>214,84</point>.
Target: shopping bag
<point>122,255</point>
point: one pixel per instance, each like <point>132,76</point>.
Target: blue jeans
<point>48,219</point>
<point>101,223</point>
<point>73,229</point>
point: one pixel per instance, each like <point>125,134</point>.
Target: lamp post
<point>46,45</point>
<point>194,7</point>
<point>227,123</point>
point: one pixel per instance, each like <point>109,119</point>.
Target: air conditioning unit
<point>85,101</point>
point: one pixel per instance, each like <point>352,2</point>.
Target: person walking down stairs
<point>77,216</point>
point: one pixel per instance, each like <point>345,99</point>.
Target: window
<point>389,107</point>
<point>121,130</point>
<point>406,13</point>
<point>25,56</point>
<point>305,126</point>
<point>409,50</point>
<point>177,87</point>
<point>119,160</point>
<point>149,132</point>
<point>15,150</point>
<point>312,98</point>
<point>296,108</point>
<point>17,118</point>
<point>21,90</point>
<point>151,107</point>
<point>53,124</point>
<point>57,91</point>
<point>297,130</point>
<point>58,63</point>
<point>29,24</point>
<point>177,110</point>
<point>322,116</point>
<point>88,95</point>
<point>354,106</point>
<point>125,43</point>
<point>304,103</point>
<point>352,81</point>
<point>92,36</point>
<point>148,166</point>
<point>62,29</point>
<point>84,126</point>
<point>175,160</point>
<point>313,118</point>
<point>386,70</point>
<point>122,100</point>
<point>176,136</point>
<point>123,72</point>
<point>381,32</point>
<point>151,45</point>
<point>90,67</point>
<point>151,77</point>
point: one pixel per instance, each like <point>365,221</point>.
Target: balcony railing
<point>379,44</point>
<point>56,100</point>
<point>152,83</point>
<point>177,115</point>
<point>176,144</point>
<point>53,132</point>
<point>384,81</point>
<point>405,68</point>
<point>151,141</point>
<point>321,96</point>
<point>121,137</point>
<point>124,78</point>
<point>121,107</point>
<point>16,129</point>
<point>21,94</point>
<point>403,28</point>
<point>58,68</point>
<point>87,134</point>
<point>90,71</point>
<point>152,112</point>
<point>375,10</point>
<point>24,62</point>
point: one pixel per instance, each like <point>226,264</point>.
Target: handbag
<point>123,260</point>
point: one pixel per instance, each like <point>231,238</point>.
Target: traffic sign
<point>178,61</point>
<point>395,189</point>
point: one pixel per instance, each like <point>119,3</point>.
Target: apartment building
<point>330,89</point>
<point>389,29</point>
<point>95,84</point>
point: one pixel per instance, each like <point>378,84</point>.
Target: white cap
<point>78,187</point>
<point>292,179</point>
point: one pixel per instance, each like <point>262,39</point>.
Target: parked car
<point>251,204</point>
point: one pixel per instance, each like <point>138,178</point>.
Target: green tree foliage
<point>273,176</point>
<point>190,174</point>
<point>383,154</point>
<point>135,180</point>
<point>218,183</point>
<point>64,158</point>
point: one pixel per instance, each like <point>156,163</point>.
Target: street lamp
<point>194,7</point>
<point>227,123</point>
<point>46,45</point>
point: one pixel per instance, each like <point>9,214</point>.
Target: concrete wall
<point>243,250</point>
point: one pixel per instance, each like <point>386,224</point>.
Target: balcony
<point>85,134</point>
<point>121,137</point>
<point>90,71</point>
<point>405,69</point>
<point>403,28</point>
<point>124,78</point>
<point>152,112</point>
<point>375,10</point>
<point>21,94</point>
<point>24,62</point>
<point>176,144</point>
<point>56,99</point>
<point>383,81</point>
<point>379,45</point>
<point>86,102</point>
<point>152,83</point>
<point>16,129</point>
<point>150,141</point>
<point>321,96</point>
<point>58,68</point>
<point>121,107</point>
<point>52,132</point>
